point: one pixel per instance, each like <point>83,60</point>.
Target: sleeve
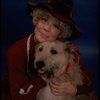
<point>17,77</point>
<point>88,80</point>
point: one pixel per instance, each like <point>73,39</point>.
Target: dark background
<point>17,24</point>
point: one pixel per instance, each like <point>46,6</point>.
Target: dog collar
<point>69,67</point>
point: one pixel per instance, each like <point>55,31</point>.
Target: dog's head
<point>52,57</point>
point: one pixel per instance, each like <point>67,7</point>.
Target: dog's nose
<point>40,64</point>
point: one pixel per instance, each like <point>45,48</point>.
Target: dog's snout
<point>40,64</point>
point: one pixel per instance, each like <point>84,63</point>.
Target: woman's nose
<point>47,26</point>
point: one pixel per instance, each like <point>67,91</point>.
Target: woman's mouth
<point>44,35</point>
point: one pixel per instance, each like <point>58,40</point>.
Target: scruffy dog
<point>58,61</point>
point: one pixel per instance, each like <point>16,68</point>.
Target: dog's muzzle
<point>40,64</point>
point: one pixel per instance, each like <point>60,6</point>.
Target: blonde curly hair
<point>40,13</point>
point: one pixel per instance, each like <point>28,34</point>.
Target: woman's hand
<point>62,88</point>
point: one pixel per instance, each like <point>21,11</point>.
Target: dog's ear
<point>68,49</point>
<point>74,52</point>
<point>75,55</point>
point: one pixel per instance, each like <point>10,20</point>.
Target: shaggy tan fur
<point>51,60</point>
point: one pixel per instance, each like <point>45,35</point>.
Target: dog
<point>55,60</point>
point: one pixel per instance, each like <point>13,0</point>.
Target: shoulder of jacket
<point>22,43</point>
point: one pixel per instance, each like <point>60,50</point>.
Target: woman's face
<point>45,30</point>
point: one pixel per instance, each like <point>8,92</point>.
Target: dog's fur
<point>51,60</point>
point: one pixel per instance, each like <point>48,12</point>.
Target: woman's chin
<point>42,39</point>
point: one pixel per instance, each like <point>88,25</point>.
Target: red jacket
<point>17,61</point>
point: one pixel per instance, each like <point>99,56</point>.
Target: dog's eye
<point>40,48</point>
<point>54,52</point>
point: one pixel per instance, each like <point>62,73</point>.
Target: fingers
<point>57,85</point>
<point>62,88</point>
<point>56,88</point>
<point>54,84</point>
<point>56,91</point>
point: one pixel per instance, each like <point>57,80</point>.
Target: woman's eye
<point>54,52</point>
<point>56,26</point>
<point>44,19</point>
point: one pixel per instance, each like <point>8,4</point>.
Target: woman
<point>52,20</point>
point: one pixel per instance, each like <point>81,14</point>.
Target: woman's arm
<point>67,87</point>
